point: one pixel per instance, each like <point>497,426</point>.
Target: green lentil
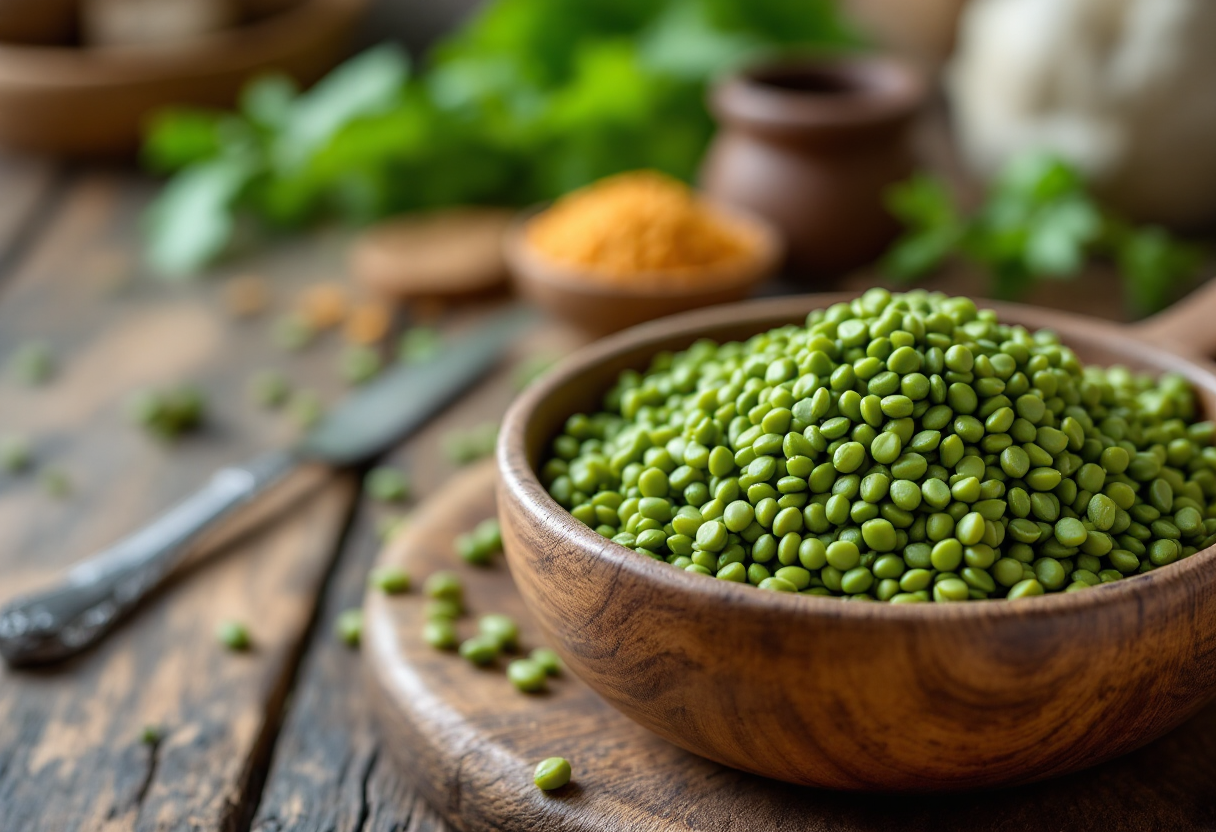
<point>305,408</point>
<point>348,627</point>
<point>269,389</point>
<point>168,413</point>
<point>386,484</point>
<point>470,444</point>
<point>443,608</point>
<point>501,628</point>
<point>234,635</point>
<point>551,774</point>
<point>445,586</point>
<point>32,364</point>
<point>548,660</point>
<point>904,448</point>
<point>56,483</point>
<point>15,454</point>
<point>418,344</point>
<point>292,332</point>
<point>479,546</point>
<point>440,633</point>
<point>391,580</point>
<point>527,675</point>
<point>360,364</point>
<point>481,649</point>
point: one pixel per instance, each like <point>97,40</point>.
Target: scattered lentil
<point>305,408</point>
<point>479,546</point>
<point>418,344</point>
<point>527,675</point>
<point>348,627</point>
<point>391,580</point>
<point>246,296</point>
<point>56,483</point>
<point>292,332</point>
<point>360,364</point>
<point>481,649</point>
<point>367,324</point>
<point>440,633</point>
<point>324,305</point>
<point>233,635</point>
<point>552,773</point>
<point>32,364</point>
<point>269,389</point>
<point>386,484</point>
<point>501,628</point>
<point>15,454</point>
<point>445,586</point>
<point>168,413</point>
<point>465,446</point>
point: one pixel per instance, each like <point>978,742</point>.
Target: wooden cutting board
<point>469,740</point>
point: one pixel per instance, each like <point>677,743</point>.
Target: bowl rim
<point>42,67</point>
<point>885,89</point>
<point>523,259</point>
<point>518,479</point>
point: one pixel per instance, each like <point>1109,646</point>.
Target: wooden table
<point>279,738</point>
<point>276,739</point>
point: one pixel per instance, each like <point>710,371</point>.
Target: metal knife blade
<point>401,400</point>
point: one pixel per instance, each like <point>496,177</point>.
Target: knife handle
<point>65,618</point>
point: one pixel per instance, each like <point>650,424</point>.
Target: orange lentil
<point>367,323</point>
<point>324,305</point>
<point>629,226</point>
<point>246,296</point>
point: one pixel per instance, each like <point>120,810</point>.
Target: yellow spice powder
<point>634,224</point>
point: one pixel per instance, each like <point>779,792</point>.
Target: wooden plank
<point>470,741</point>
<point>71,756</point>
<point>27,194</point>
<point>332,770</point>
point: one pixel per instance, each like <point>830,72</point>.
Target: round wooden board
<point>469,740</point>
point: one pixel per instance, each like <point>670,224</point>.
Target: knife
<point>95,594</point>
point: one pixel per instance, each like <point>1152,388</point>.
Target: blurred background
<point>1058,152</point>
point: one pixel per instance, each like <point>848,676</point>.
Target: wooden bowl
<point>93,102</point>
<point>597,306</point>
<point>843,695</point>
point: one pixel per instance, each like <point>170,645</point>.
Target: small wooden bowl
<point>597,306</point>
<point>93,102</point>
<point>843,695</point>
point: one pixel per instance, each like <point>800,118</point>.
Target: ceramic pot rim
<point>854,93</point>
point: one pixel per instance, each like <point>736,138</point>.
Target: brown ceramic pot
<point>812,145</point>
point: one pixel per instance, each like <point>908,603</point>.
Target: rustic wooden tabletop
<point>278,738</point>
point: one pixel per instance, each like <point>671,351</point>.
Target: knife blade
<point>96,593</point>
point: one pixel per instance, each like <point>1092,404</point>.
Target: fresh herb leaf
<point>192,220</point>
<point>1037,221</point>
<point>528,99</point>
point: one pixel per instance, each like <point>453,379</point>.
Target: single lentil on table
<point>901,448</point>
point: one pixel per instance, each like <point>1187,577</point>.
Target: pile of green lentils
<point>901,447</point>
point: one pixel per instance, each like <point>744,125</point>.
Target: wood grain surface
<point>71,755</point>
<point>470,741</point>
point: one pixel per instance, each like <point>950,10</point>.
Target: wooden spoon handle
<point>1187,327</point>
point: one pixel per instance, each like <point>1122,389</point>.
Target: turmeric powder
<point>630,226</point>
